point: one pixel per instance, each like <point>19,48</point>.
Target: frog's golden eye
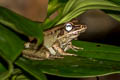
<point>68,27</point>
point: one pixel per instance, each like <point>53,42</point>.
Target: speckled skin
<point>57,41</point>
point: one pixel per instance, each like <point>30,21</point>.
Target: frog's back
<point>50,36</point>
<point>50,39</point>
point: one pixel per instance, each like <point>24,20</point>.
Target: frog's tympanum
<point>57,41</point>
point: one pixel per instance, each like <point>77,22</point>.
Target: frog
<point>57,40</point>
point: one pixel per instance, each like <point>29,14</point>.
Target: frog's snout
<point>83,27</point>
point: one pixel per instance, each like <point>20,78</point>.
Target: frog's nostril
<point>83,26</point>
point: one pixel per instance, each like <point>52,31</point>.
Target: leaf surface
<point>20,24</point>
<point>95,60</point>
<point>78,7</point>
<point>10,44</point>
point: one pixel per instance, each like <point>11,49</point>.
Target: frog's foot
<point>35,55</point>
<point>52,57</point>
<point>75,48</point>
<point>32,57</point>
<point>61,51</point>
<point>68,54</point>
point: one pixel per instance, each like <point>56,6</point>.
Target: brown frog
<point>57,41</point>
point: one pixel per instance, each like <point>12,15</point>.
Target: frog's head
<point>73,29</point>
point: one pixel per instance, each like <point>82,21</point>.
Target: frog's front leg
<point>52,51</point>
<point>74,48</point>
<point>60,51</point>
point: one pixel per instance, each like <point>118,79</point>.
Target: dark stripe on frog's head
<point>61,27</point>
<point>53,29</point>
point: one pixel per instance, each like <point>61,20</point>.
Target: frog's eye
<point>68,27</point>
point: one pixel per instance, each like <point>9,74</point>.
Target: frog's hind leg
<point>30,54</point>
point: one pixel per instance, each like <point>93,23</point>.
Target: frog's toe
<point>77,48</point>
<point>55,57</point>
<point>59,57</point>
<point>69,54</point>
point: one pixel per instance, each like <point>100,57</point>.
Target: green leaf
<point>97,50</point>
<point>95,60</point>
<point>68,6</point>
<point>6,68</point>
<point>20,77</point>
<point>30,68</point>
<point>82,5</point>
<point>6,73</point>
<point>80,11</point>
<point>115,1</point>
<point>54,5</point>
<point>10,44</point>
<point>51,23</point>
<point>20,24</point>
<point>19,74</point>
<point>73,66</point>
<point>115,16</point>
